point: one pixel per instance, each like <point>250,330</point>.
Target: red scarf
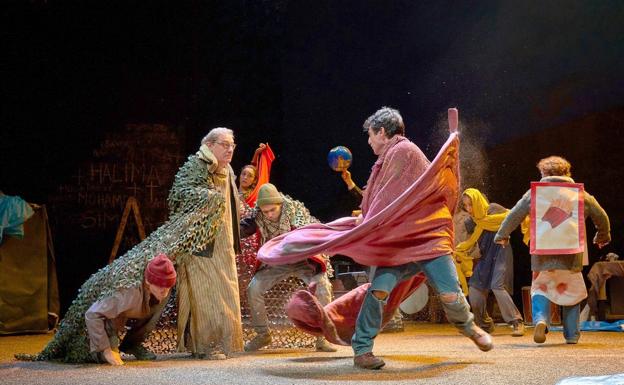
<point>264,171</point>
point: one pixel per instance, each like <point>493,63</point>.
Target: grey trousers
<point>478,302</point>
<point>267,277</point>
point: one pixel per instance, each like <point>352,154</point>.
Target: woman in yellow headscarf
<point>494,271</point>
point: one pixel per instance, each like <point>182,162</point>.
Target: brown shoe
<point>539,334</point>
<point>518,329</point>
<point>368,361</point>
<point>259,341</point>
<point>479,337</point>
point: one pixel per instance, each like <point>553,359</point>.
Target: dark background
<point>530,78</point>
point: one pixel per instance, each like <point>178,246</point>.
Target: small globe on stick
<point>339,158</point>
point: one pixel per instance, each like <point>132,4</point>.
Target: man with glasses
<point>209,306</point>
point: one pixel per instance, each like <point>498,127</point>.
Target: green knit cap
<point>268,195</point>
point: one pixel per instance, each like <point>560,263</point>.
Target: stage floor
<point>423,354</point>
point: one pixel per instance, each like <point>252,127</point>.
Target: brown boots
<point>368,361</point>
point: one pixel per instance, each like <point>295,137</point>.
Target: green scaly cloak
<point>196,209</point>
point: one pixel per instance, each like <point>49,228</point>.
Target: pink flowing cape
<point>403,222</point>
<point>417,225</point>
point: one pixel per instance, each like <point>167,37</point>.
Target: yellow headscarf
<point>483,220</point>
<point>492,222</point>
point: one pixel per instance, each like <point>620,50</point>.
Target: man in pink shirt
<point>400,163</point>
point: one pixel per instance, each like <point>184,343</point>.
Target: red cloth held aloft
<point>264,171</point>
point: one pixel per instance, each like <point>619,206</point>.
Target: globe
<point>339,158</point>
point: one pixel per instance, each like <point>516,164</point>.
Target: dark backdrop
<point>531,79</point>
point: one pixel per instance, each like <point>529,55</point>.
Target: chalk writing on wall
<point>138,161</point>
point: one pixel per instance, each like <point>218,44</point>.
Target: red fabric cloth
<point>264,171</point>
<point>408,209</point>
<point>336,321</point>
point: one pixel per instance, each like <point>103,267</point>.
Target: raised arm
<point>354,190</point>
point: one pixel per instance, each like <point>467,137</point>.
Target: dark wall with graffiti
<point>104,100</point>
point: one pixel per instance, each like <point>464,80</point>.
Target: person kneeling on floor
<point>144,303</point>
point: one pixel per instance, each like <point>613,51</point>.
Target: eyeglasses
<point>227,145</point>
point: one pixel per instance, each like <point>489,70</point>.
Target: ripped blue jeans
<point>442,277</point>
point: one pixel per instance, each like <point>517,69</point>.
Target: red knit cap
<point>160,271</point>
